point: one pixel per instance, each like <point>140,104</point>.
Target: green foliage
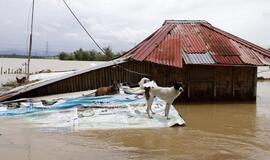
<point>92,55</point>
<point>66,56</point>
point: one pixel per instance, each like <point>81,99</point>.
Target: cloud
<point>72,35</point>
<point>121,24</point>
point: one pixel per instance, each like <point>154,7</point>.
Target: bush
<point>91,55</point>
<point>66,56</point>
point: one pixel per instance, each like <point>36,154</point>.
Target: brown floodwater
<point>212,131</point>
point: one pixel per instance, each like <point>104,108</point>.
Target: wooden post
<point>1,70</point>
<point>215,84</point>
<point>255,83</point>
<point>25,68</point>
<point>188,83</point>
<point>233,93</point>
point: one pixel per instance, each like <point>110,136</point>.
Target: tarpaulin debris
<point>103,112</point>
<point>74,102</point>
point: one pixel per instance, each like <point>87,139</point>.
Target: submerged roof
<point>197,42</point>
<point>31,86</point>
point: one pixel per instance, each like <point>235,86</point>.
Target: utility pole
<point>47,48</point>
<point>30,41</point>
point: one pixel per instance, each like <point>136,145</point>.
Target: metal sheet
<point>248,52</point>
<point>192,42</point>
<point>198,58</point>
<point>165,46</point>
<point>217,43</point>
<point>169,51</point>
<point>265,60</point>
<point>28,87</point>
<point>149,45</point>
<point>250,45</point>
<point>247,55</point>
<point>232,60</point>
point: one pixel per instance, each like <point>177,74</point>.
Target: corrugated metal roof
<point>241,41</point>
<point>191,41</point>
<point>168,51</point>
<point>198,58</point>
<point>247,55</point>
<point>148,46</point>
<point>176,37</point>
<point>217,43</point>
<point>231,60</point>
<point>264,59</point>
<point>31,86</point>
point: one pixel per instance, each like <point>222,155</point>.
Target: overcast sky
<point>122,24</point>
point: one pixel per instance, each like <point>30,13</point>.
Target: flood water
<point>36,65</point>
<point>213,131</point>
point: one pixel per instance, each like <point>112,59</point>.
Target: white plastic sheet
<point>111,117</point>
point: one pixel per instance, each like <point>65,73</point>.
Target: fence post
<point>25,68</point>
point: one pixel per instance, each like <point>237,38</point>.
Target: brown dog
<point>113,89</point>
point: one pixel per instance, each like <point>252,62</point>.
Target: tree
<point>108,53</point>
<point>71,57</point>
<point>63,56</point>
<point>91,55</point>
<point>78,54</point>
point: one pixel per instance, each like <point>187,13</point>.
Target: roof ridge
<point>185,22</point>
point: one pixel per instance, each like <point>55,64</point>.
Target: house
<point>212,64</point>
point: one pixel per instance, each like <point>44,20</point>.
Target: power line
<point>47,48</point>
<point>83,26</point>
<point>131,71</point>
<point>127,70</point>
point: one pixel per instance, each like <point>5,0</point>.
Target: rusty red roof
<point>178,38</point>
